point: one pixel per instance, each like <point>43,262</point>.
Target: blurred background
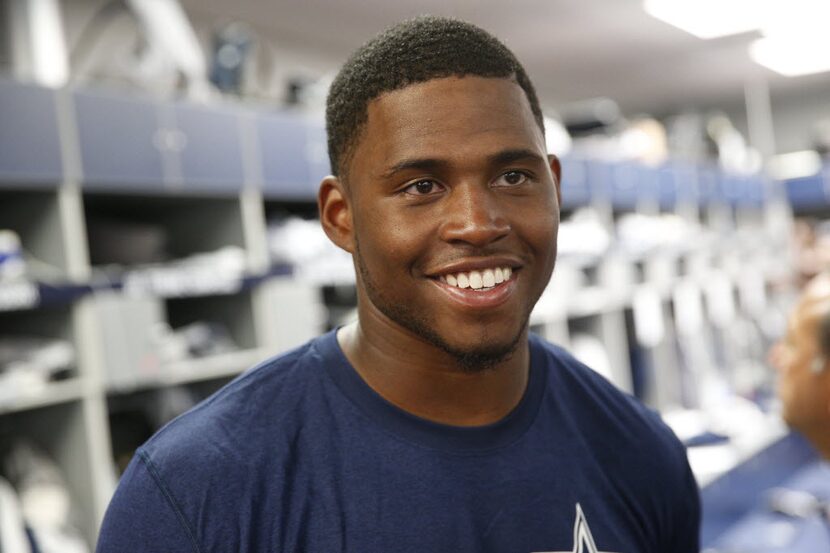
<point>159,161</point>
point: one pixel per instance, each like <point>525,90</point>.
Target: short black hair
<point>414,51</point>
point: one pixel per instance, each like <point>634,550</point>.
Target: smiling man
<point>434,422</point>
<point>443,190</point>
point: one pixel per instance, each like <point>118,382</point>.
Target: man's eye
<point>423,188</point>
<point>512,178</point>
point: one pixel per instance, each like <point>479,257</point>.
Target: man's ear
<point>335,213</point>
<point>556,169</point>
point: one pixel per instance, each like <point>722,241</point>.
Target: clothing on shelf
<point>45,505</point>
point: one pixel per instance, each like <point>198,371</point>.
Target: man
<point>803,360</point>
<point>434,423</point>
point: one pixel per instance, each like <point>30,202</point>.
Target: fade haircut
<point>414,51</point>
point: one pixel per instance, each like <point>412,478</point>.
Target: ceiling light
<point>710,18</point>
<point>797,18</point>
<point>792,56</point>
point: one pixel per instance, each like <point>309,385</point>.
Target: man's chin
<point>480,360</point>
<point>480,353</point>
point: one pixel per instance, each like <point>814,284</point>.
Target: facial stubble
<point>485,356</point>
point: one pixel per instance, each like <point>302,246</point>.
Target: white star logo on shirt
<point>583,540</point>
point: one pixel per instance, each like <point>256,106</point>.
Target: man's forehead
<point>441,84</point>
<point>447,100</point>
<point>420,118</point>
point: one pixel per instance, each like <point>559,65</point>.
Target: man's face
<point>450,185</point>
<point>804,391</point>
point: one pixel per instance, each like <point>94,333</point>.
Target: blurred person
<point>803,359</point>
<point>435,422</point>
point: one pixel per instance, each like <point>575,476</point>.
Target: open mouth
<point>482,280</point>
<point>479,289</point>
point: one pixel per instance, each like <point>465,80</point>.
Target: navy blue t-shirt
<point>300,454</point>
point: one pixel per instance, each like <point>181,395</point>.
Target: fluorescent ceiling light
<point>710,18</point>
<point>792,56</point>
<point>797,18</point>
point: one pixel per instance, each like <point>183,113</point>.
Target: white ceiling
<point>573,49</point>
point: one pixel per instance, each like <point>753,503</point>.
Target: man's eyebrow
<point>421,164</point>
<point>504,157</point>
<point>511,156</point>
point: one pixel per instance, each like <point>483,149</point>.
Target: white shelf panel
<point>53,393</point>
<point>224,365</point>
<point>713,461</point>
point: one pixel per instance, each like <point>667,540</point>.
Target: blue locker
<point>122,142</point>
<point>211,153</point>
<point>30,150</point>
<point>283,143</point>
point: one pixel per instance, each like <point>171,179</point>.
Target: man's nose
<point>475,216</point>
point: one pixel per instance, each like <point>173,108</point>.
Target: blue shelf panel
<point>716,186</point>
<point>317,153</point>
<point>121,142</point>
<point>676,184</point>
<point>630,184</point>
<point>600,175</point>
<point>286,154</point>
<point>575,189</point>
<point>707,186</point>
<point>808,192</point>
<point>741,190</point>
<point>139,145</point>
<point>30,149</point>
<point>755,192</point>
<point>211,154</point>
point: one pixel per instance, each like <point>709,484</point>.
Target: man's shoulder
<point>621,434</point>
<point>215,463</point>
<point>585,391</point>
<point>259,405</point>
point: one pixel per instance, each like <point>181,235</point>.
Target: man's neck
<point>425,381</point>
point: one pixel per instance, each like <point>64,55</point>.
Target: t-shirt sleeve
<point>685,535</point>
<point>143,517</point>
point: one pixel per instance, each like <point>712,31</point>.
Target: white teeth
<point>488,279</point>
<point>478,280</point>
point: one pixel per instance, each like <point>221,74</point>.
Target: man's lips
<point>475,264</point>
<point>482,298</point>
